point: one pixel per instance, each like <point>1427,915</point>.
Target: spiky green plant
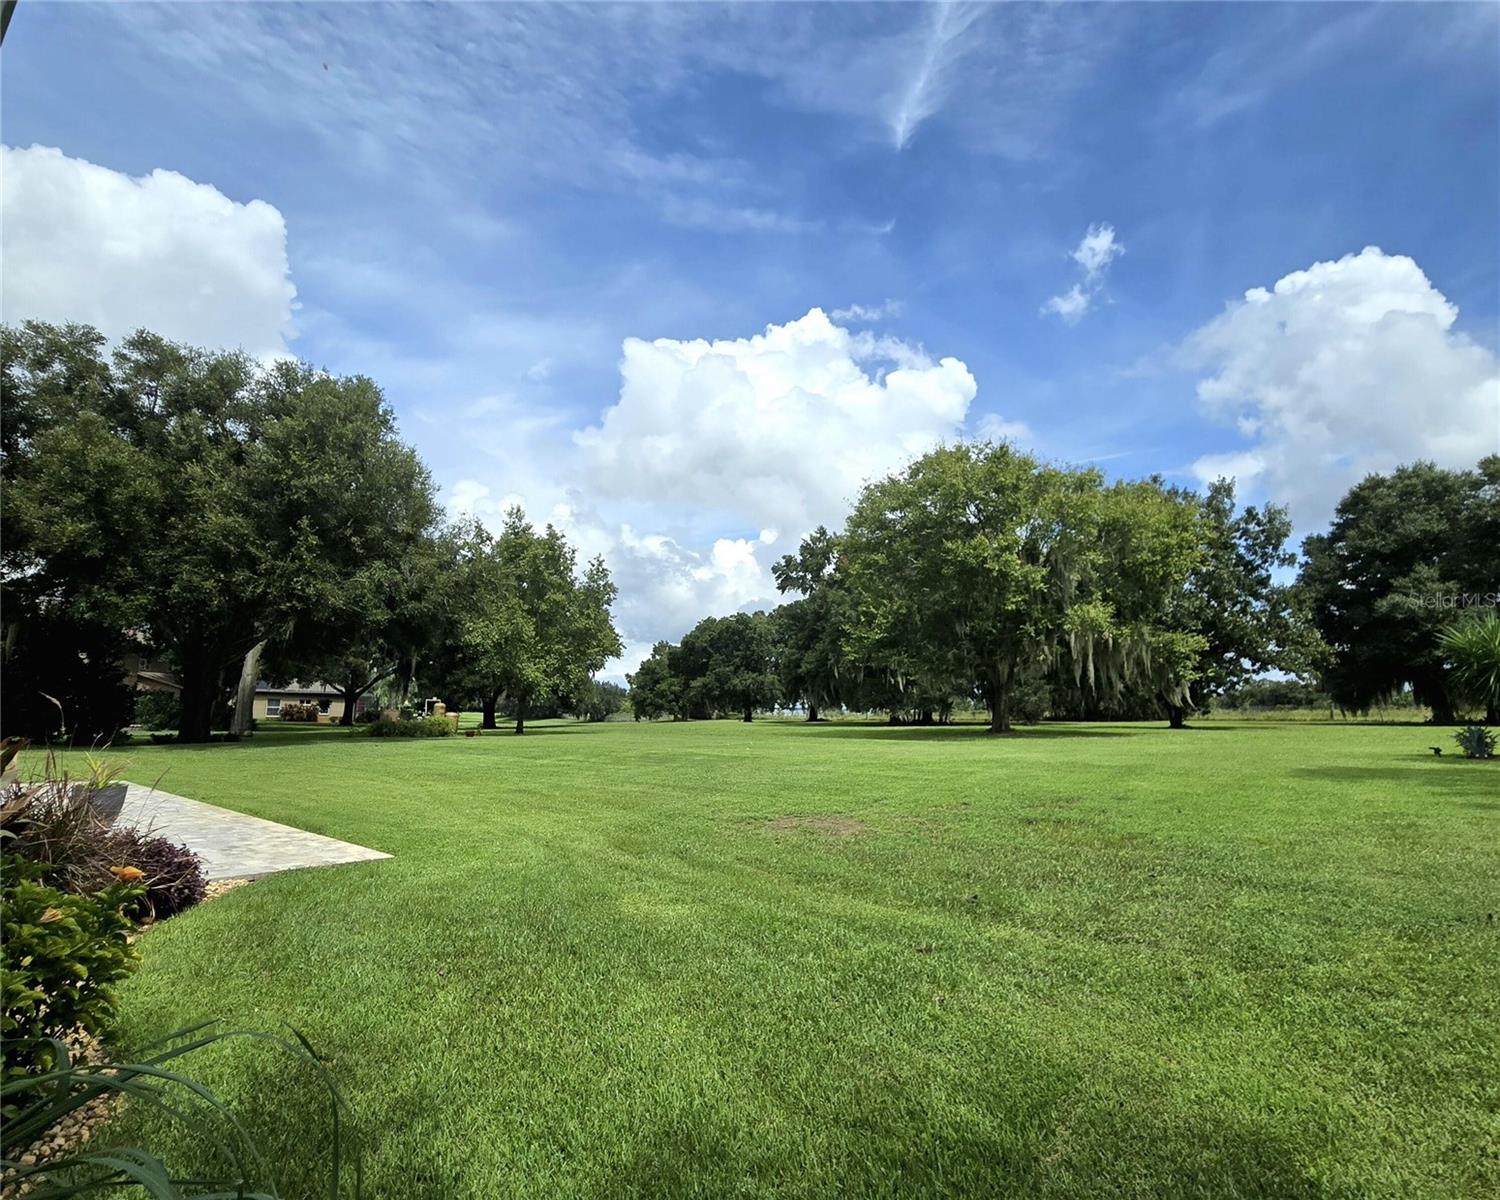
<point>36,1103</point>
<point>1472,647</point>
<point>1475,741</point>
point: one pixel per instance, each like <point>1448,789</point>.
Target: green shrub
<point>62,957</point>
<point>158,710</point>
<point>173,874</point>
<point>1472,647</point>
<point>295,710</point>
<point>414,727</point>
<point>1475,741</point>
<point>598,700</point>
<point>63,681</point>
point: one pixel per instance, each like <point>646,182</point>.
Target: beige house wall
<point>262,710</point>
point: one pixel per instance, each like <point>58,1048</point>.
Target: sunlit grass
<point>716,959</point>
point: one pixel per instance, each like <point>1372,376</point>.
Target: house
<point>269,699</point>
<point>148,674</point>
<point>152,675</point>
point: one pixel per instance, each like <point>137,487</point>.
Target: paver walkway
<point>232,845</point>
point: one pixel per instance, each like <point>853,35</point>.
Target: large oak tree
<point>979,563</point>
<point>1405,553</point>
<point>198,499</point>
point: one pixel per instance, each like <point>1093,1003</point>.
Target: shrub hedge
<point>414,727</point>
<point>304,712</point>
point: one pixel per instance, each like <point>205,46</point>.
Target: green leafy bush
<point>158,710</point>
<point>63,955</point>
<point>414,727</point>
<point>1475,741</point>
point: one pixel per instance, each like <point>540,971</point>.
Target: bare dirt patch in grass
<point>831,825</point>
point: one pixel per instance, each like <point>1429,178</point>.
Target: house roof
<point>162,678</point>
<point>296,688</point>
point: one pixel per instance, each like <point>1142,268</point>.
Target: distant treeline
<point>981,577</point>
<point>1289,694</point>
<point>238,520</point>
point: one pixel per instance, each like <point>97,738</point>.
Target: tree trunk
<point>200,680</point>
<point>1000,704</point>
<point>351,698</point>
<point>1492,713</point>
<point>926,717</point>
<point>1176,716</point>
<point>1443,712</point>
<point>488,720</point>
<point>521,715</point>
<point>749,714</point>
<point>244,700</point>
<point>812,712</point>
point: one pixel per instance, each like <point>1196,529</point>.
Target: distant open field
<point>715,959</point>
<point>1322,716</point>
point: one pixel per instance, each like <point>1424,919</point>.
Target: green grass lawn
<point>715,959</point>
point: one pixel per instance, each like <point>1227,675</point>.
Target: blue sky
<point>553,235</point>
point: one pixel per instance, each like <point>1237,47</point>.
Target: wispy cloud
<point>995,428</point>
<point>1001,76</point>
<point>1250,70</point>
<point>926,87</point>
<point>1098,248</point>
<point>869,313</point>
<point>697,212</point>
<point>547,96</point>
<point>1070,305</point>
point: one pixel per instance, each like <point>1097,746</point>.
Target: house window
<point>323,705</point>
<point>273,706</point>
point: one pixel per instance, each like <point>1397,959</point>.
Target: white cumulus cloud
<point>778,430</point>
<point>85,243</point>
<point>1339,370</point>
<point>718,456</point>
